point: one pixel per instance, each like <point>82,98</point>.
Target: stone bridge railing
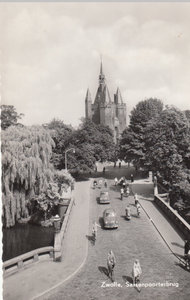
<point>17,263</point>
<point>59,236</point>
<point>178,221</point>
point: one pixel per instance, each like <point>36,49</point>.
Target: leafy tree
<point>132,144</point>
<point>168,153</point>
<point>91,143</point>
<point>26,169</point>
<point>168,144</point>
<point>9,116</point>
<point>187,114</point>
<point>45,204</point>
<point>62,136</point>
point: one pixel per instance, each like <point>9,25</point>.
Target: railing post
<point>51,254</point>
<point>20,264</point>
<point>36,257</point>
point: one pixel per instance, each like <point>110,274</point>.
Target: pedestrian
<point>119,164</point>
<point>132,179</point>
<point>111,258</point>
<point>127,191</point>
<point>138,209</point>
<point>136,199</point>
<point>94,230</point>
<point>122,192</point>
<point>94,183</point>
<point>115,181</point>
<point>105,184</point>
<point>186,247</point>
<point>100,183</point>
<point>155,181</point>
<point>136,271</point>
<point>128,212</point>
<point>114,164</point>
<point>111,262</point>
<point>124,184</point>
<point>104,169</point>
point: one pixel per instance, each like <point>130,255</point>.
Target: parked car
<point>104,197</point>
<point>109,218</point>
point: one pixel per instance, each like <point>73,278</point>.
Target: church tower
<point>105,111</point>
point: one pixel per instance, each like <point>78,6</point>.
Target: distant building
<point>105,111</point>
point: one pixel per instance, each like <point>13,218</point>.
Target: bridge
<point>152,239</point>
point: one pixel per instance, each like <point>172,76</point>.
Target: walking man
<point>122,192</point>
<point>132,179</point>
<point>95,230</point>
<point>115,181</point>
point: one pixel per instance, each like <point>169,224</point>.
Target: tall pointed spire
<point>88,105</point>
<point>88,96</point>
<point>101,76</point>
<point>118,97</point>
<point>101,67</point>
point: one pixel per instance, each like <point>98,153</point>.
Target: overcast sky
<point>51,55</point>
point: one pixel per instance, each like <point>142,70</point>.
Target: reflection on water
<point>23,238</point>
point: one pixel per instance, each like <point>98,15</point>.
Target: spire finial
<point>101,67</point>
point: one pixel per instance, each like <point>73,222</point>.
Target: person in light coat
<point>136,271</point>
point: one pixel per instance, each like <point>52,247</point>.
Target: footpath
<point>163,225</point>
<point>42,277</point>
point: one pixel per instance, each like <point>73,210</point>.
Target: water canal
<point>23,238</point>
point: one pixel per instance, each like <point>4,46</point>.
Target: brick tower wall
<point>107,114</point>
<point>121,114</point>
<point>96,113</point>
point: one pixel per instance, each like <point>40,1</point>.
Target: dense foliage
<point>91,143</point>
<point>26,169</point>
<point>132,144</point>
<point>9,116</point>
<point>168,153</point>
<point>62,135</point>
<point>158,139</point>
<point>167,142</point>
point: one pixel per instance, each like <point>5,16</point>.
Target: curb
<point>60,283</point>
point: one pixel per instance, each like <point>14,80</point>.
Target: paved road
<point>134,239</point>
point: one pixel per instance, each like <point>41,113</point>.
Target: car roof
<point>109,210</point>
<point>104,191</point>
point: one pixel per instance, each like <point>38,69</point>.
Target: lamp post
<point>57,223</point>
<point>71,149</point>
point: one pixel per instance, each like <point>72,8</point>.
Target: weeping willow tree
<point>26,169</point>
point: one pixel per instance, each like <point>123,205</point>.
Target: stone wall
<point>177,220</point>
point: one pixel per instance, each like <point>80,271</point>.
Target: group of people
<point>124,186</point>
<point>100,183</point>
<point>122,181</point>
<point>136,270</point>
